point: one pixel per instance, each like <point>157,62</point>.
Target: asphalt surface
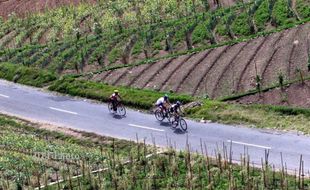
<point>86,115</point>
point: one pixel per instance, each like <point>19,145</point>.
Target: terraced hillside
<point>224,70</point>
<point>22,8</point>
<point>86,37</point>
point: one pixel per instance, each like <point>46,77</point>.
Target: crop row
<point>31,156</point>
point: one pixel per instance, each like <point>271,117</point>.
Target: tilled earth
<point>223,71</point>
<point>23,7</point>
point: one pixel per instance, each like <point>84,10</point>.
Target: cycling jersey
<point>115,96</point>
<point>174,108</point>
<point>161,101</point>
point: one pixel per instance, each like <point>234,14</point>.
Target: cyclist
<point>115,98</point>
<point>162,102</point>
<point>176,108</point>
<point>176,111</point>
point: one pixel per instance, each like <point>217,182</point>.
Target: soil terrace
<point>225,70</point>
<point>24,7</point>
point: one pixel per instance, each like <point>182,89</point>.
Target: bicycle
<point>177,120</point>
<point>120,108</point>
<point>160,114</point>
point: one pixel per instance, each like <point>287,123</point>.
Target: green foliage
<point>261,16</point>
<point>260,116</point>
<point>142,99</point>
<point>183,21</point>
<point>26,75</point>
<point>114,55</point>
<point>29,153</point>
<point>303,8</point>
<point>281,14</point>
<point>281,79</point>
<point>240,25</point>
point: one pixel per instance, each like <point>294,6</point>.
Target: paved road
<point>85,115</point>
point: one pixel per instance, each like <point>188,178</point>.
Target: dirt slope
<point>23,7</point>
<point>297,95</point>
<point>225,70</point>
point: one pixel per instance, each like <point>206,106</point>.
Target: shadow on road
<point>179,131</point>
<point>165,124</point>
<point>118,116</point>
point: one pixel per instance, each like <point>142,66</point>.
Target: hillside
<point>24,8</point>
<point>202,51</point>
<point>222,71</point>
<point>86,38</point>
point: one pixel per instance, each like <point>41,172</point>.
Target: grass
<point>141,99</point>
<point>31,155</point>
<point>26,75</point>
<point>258,116</point>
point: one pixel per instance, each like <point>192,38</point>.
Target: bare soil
<point>228,82</point>
<point>296,95</point>
<point>248,80</point>
<point>177,77</point>
<point>111,79</point>
<point>147,75</point>
<point>223,63</point>
<point>300,52</point>
<point>228,69</point>
<point>133,74</point>
<point>279,63</point>
<point>163,75</point>
<point>24,7</point>
<point>192,82</point>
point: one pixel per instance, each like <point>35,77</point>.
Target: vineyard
<point>34,157</point>
<point>77,39</point>
<point>31,156</point>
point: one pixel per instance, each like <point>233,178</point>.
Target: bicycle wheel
<point>121,110</point>
<point>159,115</point>
<point>110,107</point>
<point>169,116</point>
<point>183,124</point>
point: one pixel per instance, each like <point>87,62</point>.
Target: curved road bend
<point>28,102</point>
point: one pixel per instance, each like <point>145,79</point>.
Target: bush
<point>26,75</point>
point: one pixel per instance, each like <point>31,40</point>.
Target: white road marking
<point>65,111</point>
<point>4,96</point>
<point>247,144</point>
<point>143,127</point>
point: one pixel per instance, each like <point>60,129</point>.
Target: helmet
<point>178,103</point>
<point>116,91</point>
<point>166,97</point>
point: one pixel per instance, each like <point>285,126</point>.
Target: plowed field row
<point>222,71</point>
<point>24,7</point>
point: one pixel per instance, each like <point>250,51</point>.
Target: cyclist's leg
<point>114,105</point>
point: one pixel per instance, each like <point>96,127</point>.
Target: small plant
<point>229,22</point>
<point>308,57</point>
<point>281,80</point>
<point>299,71</point>
<point>258,83</point>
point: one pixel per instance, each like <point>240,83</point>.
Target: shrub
<point>26,75</point>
